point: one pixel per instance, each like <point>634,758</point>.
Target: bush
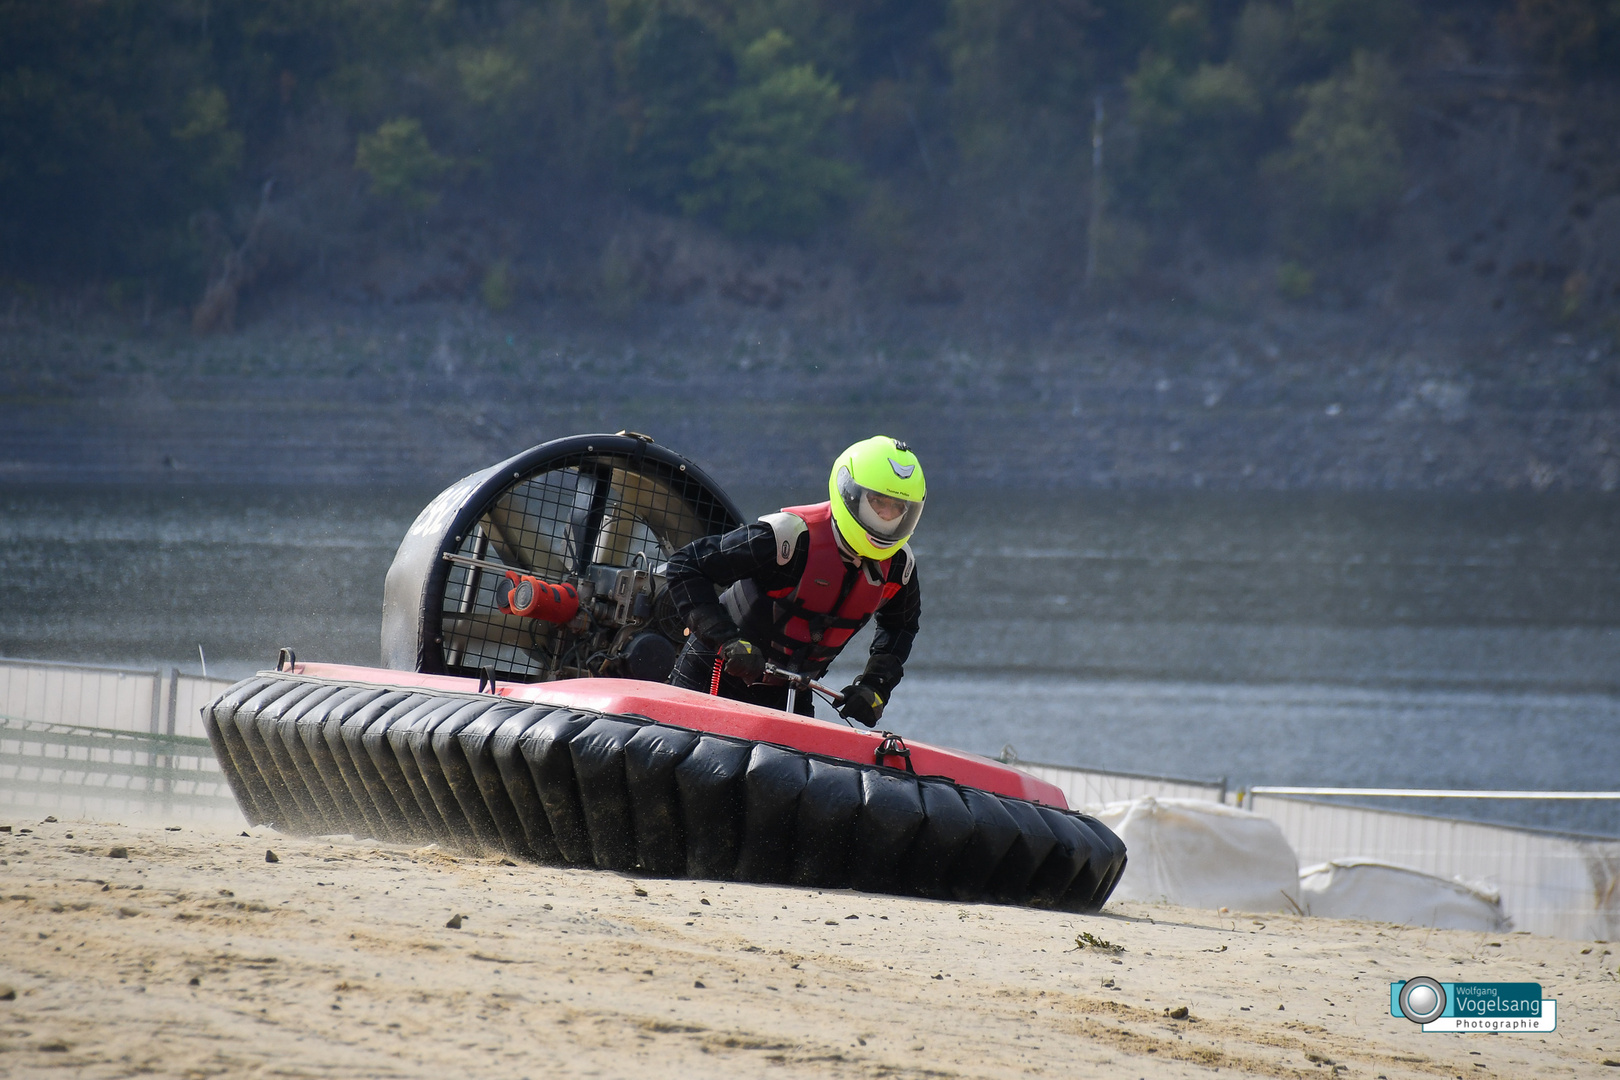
<point>205,132</point>
<point>1012,59</point>
<point>401,163</point>
<point>1294,281</point>
<point>491,77</point>
<point>1262,39</point>
<point>115,130</point>
<point>496,288</point>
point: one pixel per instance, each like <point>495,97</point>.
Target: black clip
<point>486,678</point>
<point>893,746</point>
<point>285,660</point>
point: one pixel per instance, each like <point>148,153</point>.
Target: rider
<point>800,583</point>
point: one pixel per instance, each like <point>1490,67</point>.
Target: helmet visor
<point>886,519</point>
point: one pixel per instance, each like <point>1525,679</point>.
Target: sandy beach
<point>194,956</point>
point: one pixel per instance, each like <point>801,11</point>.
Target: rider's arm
<point>897,623</point>
<point>897,620</point>
<point>698,571</point>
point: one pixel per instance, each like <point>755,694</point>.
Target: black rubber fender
<point>943,836</point>
<point>485,774</point>
<point>407,741</point>
<point>1089,863</point>
<point>544,746</point>
<point>604,797</point>
<point>338,753</point>
<point>994,831</point>
<point>219,722</point>
<point>709,781</point>
<point>287,745</point>
<point>772,783</point>
<point>1070,855</point>
<point>377,741</point>
<point>360,735</point>
<point>1029,849</point>
<point>483,779</point>
<point>650,759</point>
<point>891,814</point>
<point>1116,857</point>
<point>298,804</point>
<point>312,729</point>
<point>828,807</point>
<point>518,782</point>
<point>454,772</point>
<point>277,802</point>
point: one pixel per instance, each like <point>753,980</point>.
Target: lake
<point>1319,639</point>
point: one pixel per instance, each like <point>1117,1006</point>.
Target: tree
<point>770,170</point>
<point>1198,135</point>
<point>1343,168</point>
<point>674,68</point>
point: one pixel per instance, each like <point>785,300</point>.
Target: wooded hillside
<point>1023,154</point>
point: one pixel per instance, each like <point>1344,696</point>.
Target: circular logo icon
<point>1422,1000</point>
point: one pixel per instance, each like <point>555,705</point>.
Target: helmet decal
<point>902,471</point>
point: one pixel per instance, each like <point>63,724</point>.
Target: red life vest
<point>804,627</point>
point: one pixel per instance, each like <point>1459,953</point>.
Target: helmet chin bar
<point>849,552</point>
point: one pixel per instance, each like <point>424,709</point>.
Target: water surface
<point>1366,639</point>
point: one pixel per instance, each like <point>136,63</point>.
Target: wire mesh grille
<point>577,512</point>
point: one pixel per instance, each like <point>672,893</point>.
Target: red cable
<point>714,683</point>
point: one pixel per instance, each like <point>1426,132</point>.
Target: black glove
<point>743,660</point>
<point>862,704</point>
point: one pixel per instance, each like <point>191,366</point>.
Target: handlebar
<point>800,681</point>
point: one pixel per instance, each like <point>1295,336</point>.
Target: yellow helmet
<point>877,493</point>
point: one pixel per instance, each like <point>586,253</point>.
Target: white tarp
<point>1203,854</point>
<point>1370,889</point>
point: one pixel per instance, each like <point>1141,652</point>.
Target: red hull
<point>700,712</point>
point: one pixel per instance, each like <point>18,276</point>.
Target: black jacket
<point>697,572</point>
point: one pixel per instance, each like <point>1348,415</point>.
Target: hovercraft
<point>523,712</point>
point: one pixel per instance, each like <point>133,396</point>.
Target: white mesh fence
<point>80,741</point>
<point>1091,789</point>
<point>1562,886</point>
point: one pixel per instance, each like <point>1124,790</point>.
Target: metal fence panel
<point>187,696</point>
<point>1094,788</point>
<point>113,698</point>
<point>120,699</point>
<point>81,740</point>
<point>1561,886</point>
<point>85,772</point>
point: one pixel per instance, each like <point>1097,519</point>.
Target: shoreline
<point>194,956</point>
<point>1145,398</point>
